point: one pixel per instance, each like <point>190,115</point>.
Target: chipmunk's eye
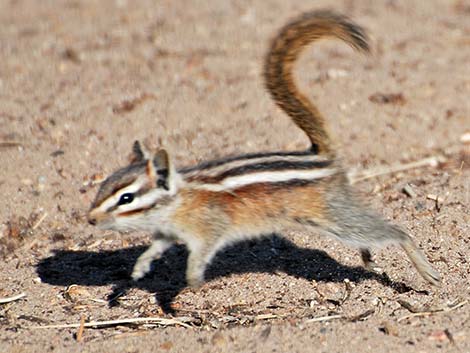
<point>126,198</point>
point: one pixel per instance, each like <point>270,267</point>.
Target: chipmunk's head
<point>136,197</point>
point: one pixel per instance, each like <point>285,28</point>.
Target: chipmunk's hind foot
<point>420,262</point>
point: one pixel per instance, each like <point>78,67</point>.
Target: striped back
<point>272,167</point>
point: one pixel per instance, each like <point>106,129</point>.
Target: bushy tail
<point>285,48</point>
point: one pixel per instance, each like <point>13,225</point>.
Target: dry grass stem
<point>355,177</point>
<point>325,318</point>
<point>40,220</point>
<point>81,329</point>
<point>266,316</point>
<point>417,312</point>
<point>138,320</point>
<point>12,299</point>
<point>7,144</point>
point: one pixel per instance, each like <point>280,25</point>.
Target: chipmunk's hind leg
<point>382,232</point>
<point>200,254</point>
<point>353,223</point>
<point>386,232</point>
<point>375,231</point>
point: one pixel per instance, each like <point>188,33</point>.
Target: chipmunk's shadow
<point>168,277</point>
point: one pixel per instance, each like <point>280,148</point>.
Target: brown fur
<point>253,206</point>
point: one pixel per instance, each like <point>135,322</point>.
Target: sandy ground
<point>81,80</point>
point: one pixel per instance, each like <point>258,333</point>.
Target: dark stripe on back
<point>219,162</point>
<point>274,166</point>
<point>280,185</point>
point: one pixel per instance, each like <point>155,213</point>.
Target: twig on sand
<point>266,316</point>
<point>355,177</point>
<point>12,299</point>
<point>361,316</point>
<point>350,318</point>
<point>81,329</point>
<point>7,144</point>
<point>39,221</point>
<point>417,312</point>
<point>182,321</point>
<point>325,318</point>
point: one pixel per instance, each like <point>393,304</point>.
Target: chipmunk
<point>211,205</point>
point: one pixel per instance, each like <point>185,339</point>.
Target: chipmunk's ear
<point>161,160</point>
<point>164,170</point>
<point>138,153</point>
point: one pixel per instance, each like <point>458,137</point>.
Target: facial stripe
<point>152,201</point>
<point>101,197</point>
<point>110,203</point>
<point>272,177</point>
<point>143,200</point>
<point>137,210</point>
<point>118,180</point>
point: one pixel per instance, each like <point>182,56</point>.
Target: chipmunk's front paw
<point>141,268</point>
<point>138,274</point>
<point>195,282</point>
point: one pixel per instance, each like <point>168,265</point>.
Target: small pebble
<point>408,190</point>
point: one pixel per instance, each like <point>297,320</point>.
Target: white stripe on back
<point>216,170</point>
<point>238,181</point>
